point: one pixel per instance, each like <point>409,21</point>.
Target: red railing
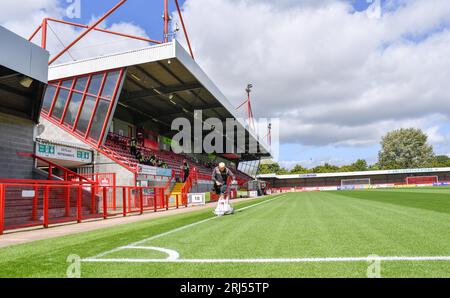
<point>124,200</point>
<point>2,208</point>
<point>67,175</point>
<point>186,188</point>
<point>42,203</point>
<point>103,179</point>
<point>28,203</point>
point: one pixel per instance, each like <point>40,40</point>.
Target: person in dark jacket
<point>159,163</point>
<point>220,178</point>
<point>133,147</point>
<point>152,160</point>
<point>185,168</point>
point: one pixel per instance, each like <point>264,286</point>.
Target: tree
<point>282,171</point>
<point>360,165</point>
<point>405,148</point>
<point>441,161</point>
<point>374,167</point>
<point>347,168</point>
<point>298,169</point>
<point>326,168</point>
<point>269,168</point>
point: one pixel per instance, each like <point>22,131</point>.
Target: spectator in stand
<point>146,161</point>
<point>133,146</point>
<point>140,136</point>
<point>152,160</point>
<point>185,168</point>
<point>159,163</point>
<point>139,157</point>
<point>165,165</point>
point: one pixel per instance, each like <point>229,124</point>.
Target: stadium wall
<point>103,164</point>
<point>16,134</point>
<point>52,132</point>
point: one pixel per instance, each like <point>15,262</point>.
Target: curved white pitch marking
<point>182,228</point>
<point>173,255</point>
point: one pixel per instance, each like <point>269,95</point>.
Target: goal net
<point>422,180</point>
<point>354,182</point>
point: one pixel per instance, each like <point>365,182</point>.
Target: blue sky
<point>146,14</point>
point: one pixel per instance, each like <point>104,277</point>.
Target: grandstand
<point>106,102</point>
<point>98,118</point>
<point>359,180</point>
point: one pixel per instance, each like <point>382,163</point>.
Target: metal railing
<point>30,203</point>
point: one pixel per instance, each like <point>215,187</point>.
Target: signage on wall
<point>105,182</point>
<point>195,199</point>
<point>253,194</point>
<point>154,171</point>
<point>63,153</point>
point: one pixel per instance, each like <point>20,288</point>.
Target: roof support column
<point>166,21</point>
<point>44,34</point>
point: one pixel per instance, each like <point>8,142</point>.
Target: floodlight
<point>26,82</point>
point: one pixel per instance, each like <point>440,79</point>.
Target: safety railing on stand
<point>29,203</point>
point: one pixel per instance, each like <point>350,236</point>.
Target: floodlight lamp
<point>26,82</point>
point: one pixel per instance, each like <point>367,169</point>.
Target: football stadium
<point>93,183</point>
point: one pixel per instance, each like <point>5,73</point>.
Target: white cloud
<point>95,43</point>
<point>333,75</point>
<point>12,11</point>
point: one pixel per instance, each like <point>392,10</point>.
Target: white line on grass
<point>172,254</point>
<point>176,230</point>
<point>281,260</point>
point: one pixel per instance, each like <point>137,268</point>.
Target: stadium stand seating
<point>118,147</point>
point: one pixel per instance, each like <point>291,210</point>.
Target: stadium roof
<point>23,75</point>
<point>350,174</point>
<point>162,83</point>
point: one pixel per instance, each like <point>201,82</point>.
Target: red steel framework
<point>74,129</point>
<point>44,25</point>
<point>248,102</point>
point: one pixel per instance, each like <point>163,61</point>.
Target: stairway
<point>176,191</point>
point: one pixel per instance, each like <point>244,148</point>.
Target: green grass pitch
<point>261,239</point>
